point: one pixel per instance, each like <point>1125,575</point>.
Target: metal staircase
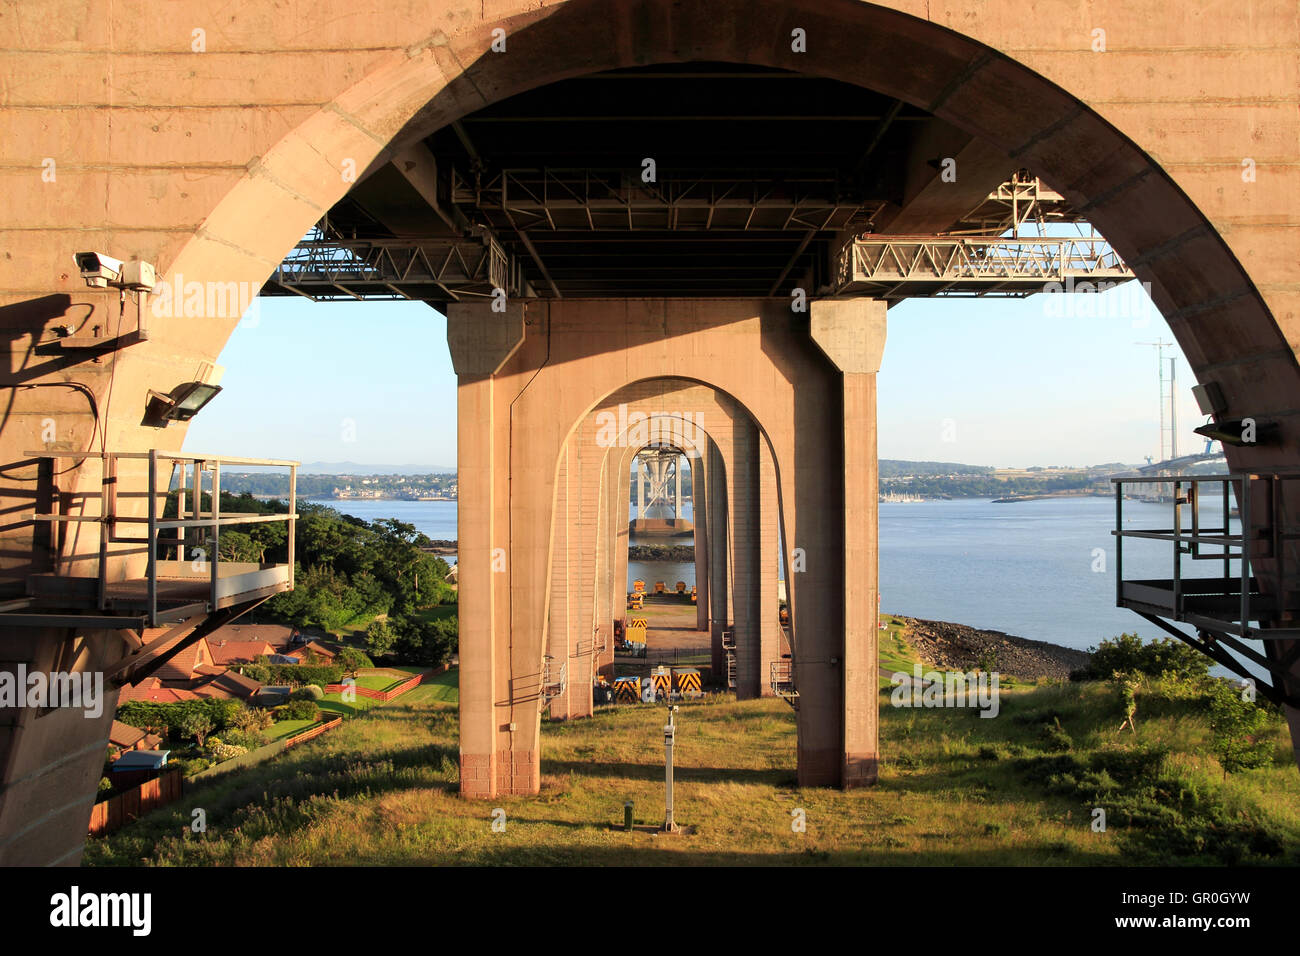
<point>729,649</point>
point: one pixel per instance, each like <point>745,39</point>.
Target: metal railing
<point>189,498</point>
<point>1263,589</point>
<point>782,679</point>
<point>555,678</point>
<point>1183,594</point>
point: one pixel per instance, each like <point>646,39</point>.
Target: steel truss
<point>615,199</point>
<point>439,269</point>
<point>897,267</point>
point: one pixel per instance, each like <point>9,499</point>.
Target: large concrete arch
<point>215,178</point>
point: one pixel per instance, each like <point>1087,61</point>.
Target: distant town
<point>432,487</point>
<point>899,481</point>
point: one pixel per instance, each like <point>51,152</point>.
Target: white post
<point>669,732</point>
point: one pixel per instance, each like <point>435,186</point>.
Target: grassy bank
<point>954,789</point>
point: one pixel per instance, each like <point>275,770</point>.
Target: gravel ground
<point>946,646</point>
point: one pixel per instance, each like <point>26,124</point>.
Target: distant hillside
<point>352,468</point>
<point>894,468</point>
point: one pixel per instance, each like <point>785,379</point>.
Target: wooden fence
<point>121,808</point>
<point>314,732</point>
<point>380,695</point>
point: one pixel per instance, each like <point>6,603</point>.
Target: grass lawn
<point>333,705</point>
<point>438,612</point>
<point>287,728</point>
<point>441,688</point>
<point>954,789</point>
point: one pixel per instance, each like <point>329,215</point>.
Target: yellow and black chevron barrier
<point>688,681</point>
<point>663,683</point>
<point>627,690</point>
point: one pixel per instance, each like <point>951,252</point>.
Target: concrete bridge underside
<point>531,376</point>
<point>1174,130</point>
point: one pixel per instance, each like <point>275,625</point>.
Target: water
<point>1025,568</point>
<point>1028,568</point>
<point>437,519</point>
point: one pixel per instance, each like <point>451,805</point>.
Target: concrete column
<point>852,334</point>
<point>677,495</point>
<point>640,488</point>
<point>746,557</point>
<point>769,621</point>
<point>719,557</point>
<point>480,342</point>
<point>699,514</point>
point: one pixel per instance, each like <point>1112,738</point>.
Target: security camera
<point>138,276</point>
<point>99,270</point>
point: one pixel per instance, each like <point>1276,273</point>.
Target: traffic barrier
<point>687,680</point>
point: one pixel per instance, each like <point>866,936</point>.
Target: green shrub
<point>250,720</point>
<point>298,710</point>
<point>1054,737</point>
<point>1238,729</point>
<point>189,766</point>
<point>248,739</point>
<point>310,692</point>
<point>1128,654</point>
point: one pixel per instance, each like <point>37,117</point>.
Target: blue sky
<point>1050,379</point>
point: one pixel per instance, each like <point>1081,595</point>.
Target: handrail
<point>214,521</point>
<point>1187,543</point>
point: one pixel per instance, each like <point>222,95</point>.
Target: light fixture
<point>1239,432</point>
<point>180,404</point>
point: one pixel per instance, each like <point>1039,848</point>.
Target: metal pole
<point>1173,407</point>
<point>670,729</point>
<point>152,583</point>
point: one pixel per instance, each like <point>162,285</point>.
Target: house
<point>152,689</point>
<point>229,653</point>
<point>184,666</point>
<point>223,683</point>
<point>125,737</point>
<point>313,648</point>
<point>279,636</point>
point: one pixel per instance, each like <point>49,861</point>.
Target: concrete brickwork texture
<point>216,177</point>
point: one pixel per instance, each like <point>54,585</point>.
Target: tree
<point>196,724</point>
<point>380,638</point>
<point>1238,730</point>
<point>352,660</point>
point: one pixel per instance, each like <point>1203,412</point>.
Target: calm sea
<point>1044,570</point>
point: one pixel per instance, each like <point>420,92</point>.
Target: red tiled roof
<point>124,735</point>
<point>306,650</point>
<point>159,695</point>
<point>277,635</point>
<point>184,664</point>
<point>228,684</point>
<point>238,652</point>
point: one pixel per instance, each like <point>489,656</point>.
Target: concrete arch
<point>640,398</point>
<point>1213,306</point>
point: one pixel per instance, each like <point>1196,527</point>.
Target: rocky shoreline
<point>947,646</point>
<point>661,552</point>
